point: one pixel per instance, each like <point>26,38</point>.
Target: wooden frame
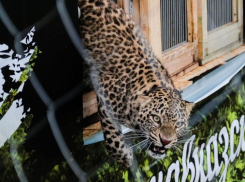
<point>222,40</point>
<point>181,57</point>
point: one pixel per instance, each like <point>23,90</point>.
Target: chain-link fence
<point>41,101</point>
<point>29,50</point>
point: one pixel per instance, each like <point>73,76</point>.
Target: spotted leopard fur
<point>133,89</point>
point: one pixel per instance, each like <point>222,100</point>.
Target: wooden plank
<point>120,3</point>
<point>202,21</point>
<point>200,50</point>
<point>201,69</point>
<point>184,61</point>
<point>154,22</point>
<point>189,20</point>
<point>221,52</point>
<point>182,85</point>
<point>90,130</point>
<point>223,41</point>
<point>174,61</point>
<point>219,32</point>
<point>240,13</point>
<point>178,60</point>
<point>194,20</point>
<point>177,52</point>
<point>151,24</point>
<point>90,102</point>
<point>202,28</point>
<point>124,4</point>
<point>192,67</point>
<point>241,18</point>
<point>234,11</point>
<point>89,96</point>
<point>136,12</point>
<point>180,74</point>
<point>144,25</point>
<point>195,28</point>
<point>90,110</point>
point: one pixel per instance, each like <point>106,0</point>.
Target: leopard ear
<point>143,100</point>
<point>189,106</point>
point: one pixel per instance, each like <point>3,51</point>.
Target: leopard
<point>132,86</point>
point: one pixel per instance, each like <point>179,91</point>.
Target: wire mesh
<point>174,23</point>
<point>219,13</point>
<point>52,105</point>
<point>174,31</point>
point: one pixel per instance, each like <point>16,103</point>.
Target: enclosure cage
<point>50,128</point>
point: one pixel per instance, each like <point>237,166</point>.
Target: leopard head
<point>163,117</point>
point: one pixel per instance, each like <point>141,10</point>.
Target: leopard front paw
<point>126,159</point>
<point>123,155</point>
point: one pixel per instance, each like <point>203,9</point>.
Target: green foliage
<point>29,67</point>
<point>224,114</point>
<point>13,149</point>
<point>13,92</point>
<point>6,156</point>
<point>58,173</point>
<point>98,164</point>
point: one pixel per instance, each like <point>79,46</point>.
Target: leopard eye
<point>179,124</point>
<point>156,118</point>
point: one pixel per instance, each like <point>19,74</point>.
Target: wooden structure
<point>147,15</point>
<point>217,42</point>
<point>203,50</point>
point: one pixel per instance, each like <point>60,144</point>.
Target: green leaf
<point>240,165</point>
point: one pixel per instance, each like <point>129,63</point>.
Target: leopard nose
<point>165,142</point>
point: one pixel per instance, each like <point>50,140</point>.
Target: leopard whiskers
<point>144,145</point>
<point>135,134</point>
<point>183,141</point>
<point>176,148</point>
<point>134,137</point>
<point>140,144</point>
<point>139,131</point>
<point>149,146</point>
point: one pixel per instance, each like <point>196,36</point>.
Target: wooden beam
<point>182,85</point>
<point>189,20</point>
<point>234,11</point>
<point>89,104</point>
<point>136,12</point>
<point>202,28</point>
<point>194,21</point>
<point>150,16</point>
<point>177,52</point>
<point>240,13</point>
<point>90,130</point>
<point>89,96</point>
<point>212,64</point>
